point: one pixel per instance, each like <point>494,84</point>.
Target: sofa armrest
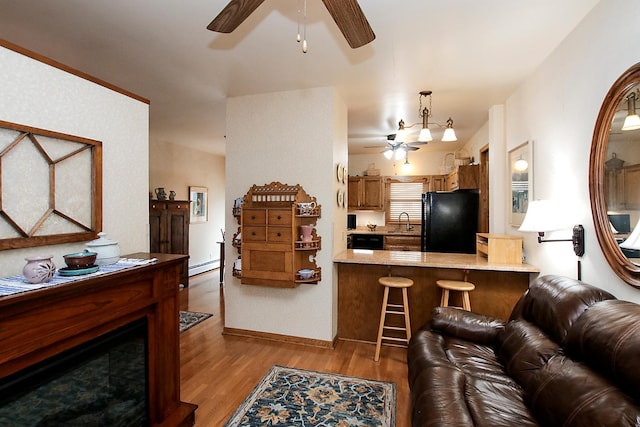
<point>466,325</point>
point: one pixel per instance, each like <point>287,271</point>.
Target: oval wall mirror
<point>614,176</point>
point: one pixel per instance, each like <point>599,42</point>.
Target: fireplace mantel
<point>42,323</point>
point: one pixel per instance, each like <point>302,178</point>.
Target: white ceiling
<point>471,53</point>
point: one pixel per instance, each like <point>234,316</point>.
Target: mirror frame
<point>624,268</point>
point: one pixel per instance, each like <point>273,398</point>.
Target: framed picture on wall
<point>521,181</point>
<point>199,201</point>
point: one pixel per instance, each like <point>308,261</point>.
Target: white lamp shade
<point>631,122</point>
<point>388,154</point>
<point>425,135</point>
<point>633,241</point>
<point>401,136</point>
<point>406,167</point>
<point>401,153</point>
<point>449,135</point>
<point>544,215</point>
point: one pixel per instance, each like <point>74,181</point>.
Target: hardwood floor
<point>218,372</point>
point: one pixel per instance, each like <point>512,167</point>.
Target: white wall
<point>294,137</point>
<point>38,95</point>
<point>176,167</point>
<point>556,108</point>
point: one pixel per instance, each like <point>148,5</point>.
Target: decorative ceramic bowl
<point>80,259</point>
<point>107,249</point>
<point>305,274</point>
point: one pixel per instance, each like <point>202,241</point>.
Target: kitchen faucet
<point>409,226</point>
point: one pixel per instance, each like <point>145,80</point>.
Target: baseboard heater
<point>203,267</point>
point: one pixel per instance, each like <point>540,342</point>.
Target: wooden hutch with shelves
<point>272,250</point>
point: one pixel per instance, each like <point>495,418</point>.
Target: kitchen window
<point>404,194</point>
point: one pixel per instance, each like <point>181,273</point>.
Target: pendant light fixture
<point>632,121</point>
<point>425,133</point>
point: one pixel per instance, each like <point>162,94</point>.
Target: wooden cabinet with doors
<point>621,188</point>
<point>465,177</point>
<point>366,193</point>
<point>273,250</point>
<point>169,231</point>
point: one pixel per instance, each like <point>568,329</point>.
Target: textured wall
<point>36,94</point>
<point>294,137</point>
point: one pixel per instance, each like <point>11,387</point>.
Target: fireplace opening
<point>103,382</point>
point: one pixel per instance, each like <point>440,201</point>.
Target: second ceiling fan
<point>346,13</point>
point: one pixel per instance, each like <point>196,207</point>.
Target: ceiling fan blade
<point>416,143</point>
<point>351,21</point>
<point>410,148</point>
<point>233,14</point>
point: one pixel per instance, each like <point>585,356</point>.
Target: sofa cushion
<point>568,393</point>
<point>553,303</point>
<point>466,325</point>
<point>607,338</point>
<point>524,349</point>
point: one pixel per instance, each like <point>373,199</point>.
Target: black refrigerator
<point>449,222</point>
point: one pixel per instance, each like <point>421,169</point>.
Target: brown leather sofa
<point>568,356</point>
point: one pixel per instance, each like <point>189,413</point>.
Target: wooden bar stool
<point>397,309</point>
<point>458,286</point>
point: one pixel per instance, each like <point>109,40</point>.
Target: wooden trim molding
<point>71,70</point>
<point>281,338</point>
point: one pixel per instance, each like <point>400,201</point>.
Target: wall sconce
<point>632,121</point>
<point>543,216</point>
<point>425,133</point>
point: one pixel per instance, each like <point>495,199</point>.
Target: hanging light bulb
<point>425,133</point>
<point>449,134</point>
<point>406,166</point>
<point>632,121</point>
<point>401,135</point>
<point>521,165</point>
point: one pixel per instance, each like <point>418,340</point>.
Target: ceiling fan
<point>346,13</point>
<point>397,148</point>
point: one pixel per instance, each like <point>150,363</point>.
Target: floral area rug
<point>297,397</point>
<point>189,319</point>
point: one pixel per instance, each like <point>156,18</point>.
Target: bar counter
<point>498,286</point>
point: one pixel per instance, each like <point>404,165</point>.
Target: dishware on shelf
<point>160,193</point>
<point>107,249</point>
<point>80,260</point>
<point>39,269</point>
<point>306,208</point>
<point>68,271</point>
<point>306,233</point>
<point>306,273</point>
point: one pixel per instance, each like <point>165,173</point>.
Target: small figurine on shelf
<point>172,195</point>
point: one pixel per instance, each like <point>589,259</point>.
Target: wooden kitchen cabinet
<point>273,252</point>
<point>621,188</point>
<point>401,243</point>
<point>366,193</point>
<point>169,231</point>
<point>465,177</point>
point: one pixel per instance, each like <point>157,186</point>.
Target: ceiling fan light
<point>425,135</point>
<point>401,153</point>
<point>631,122</point>
<point>388,153</point>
